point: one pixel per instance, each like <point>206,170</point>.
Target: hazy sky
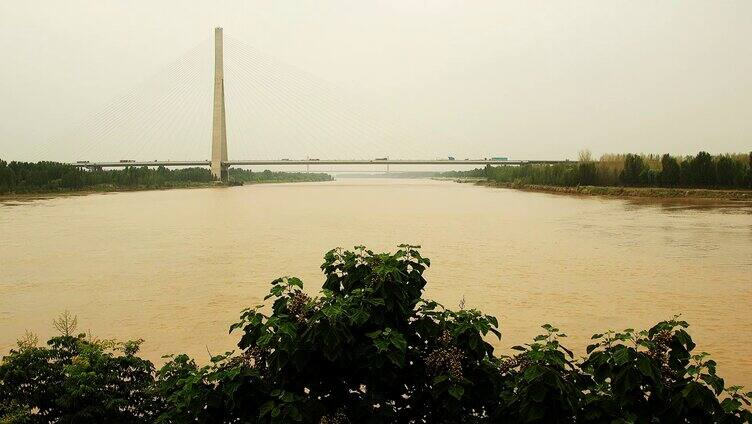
<point>526,79</point>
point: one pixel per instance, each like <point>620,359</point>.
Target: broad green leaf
<point>457,391</point>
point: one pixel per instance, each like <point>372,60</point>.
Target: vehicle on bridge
<point>82,161</point>
<point>313,160</point>
<point>500,158</point>
<point>285,159</point>
<point>381,159</point>
<point>127,160</point>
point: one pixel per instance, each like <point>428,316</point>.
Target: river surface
<point>176,267</point>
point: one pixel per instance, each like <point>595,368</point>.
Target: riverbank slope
<point>109,188</point>
<point>652,192</point>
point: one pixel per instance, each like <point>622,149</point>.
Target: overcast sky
<point>525,79</point>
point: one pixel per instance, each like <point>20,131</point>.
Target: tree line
<point>370,349</point>
<point>631,170</point>
<point>48,177</point>
<point>266,176</point>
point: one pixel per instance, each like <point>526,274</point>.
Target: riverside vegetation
<point>702,171</point>
<point>369,349</point>
<point>55,177</point>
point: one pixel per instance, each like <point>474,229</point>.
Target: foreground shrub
<point>368,349</point>
<point>76,379</point>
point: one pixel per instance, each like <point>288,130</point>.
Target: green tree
<point>686,175</point>
<point>76,379</point>
<point>633,168</point>
<point>729,172</point>
<point>6,180</point>
<point>703,170</point>
<point>649,177</point>
<point>670,171</point>
<point>587,173</point>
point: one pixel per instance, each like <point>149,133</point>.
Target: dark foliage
<point>587,173</point>
<point>368,349</point>
<point>670,171</point>
<point>48,177</point>
<point>633,172</point>
<point>248,176</point>
<point>45,177</point>
<point>701,171</point>
<point>730,173</point>
<point>76,379</point>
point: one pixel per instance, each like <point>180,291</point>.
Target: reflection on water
<point>176,267</point>
<point>672,204</point>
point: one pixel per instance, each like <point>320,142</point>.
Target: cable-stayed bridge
<point>309,162</point>
<point>275,102</point>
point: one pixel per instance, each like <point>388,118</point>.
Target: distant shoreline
<point>117,189</point>
<point>94,190</point>
<point>621,192</point>
<point>629,192</point>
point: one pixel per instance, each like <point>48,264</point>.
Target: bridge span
<point>220,163</point>
<point>284,162</point>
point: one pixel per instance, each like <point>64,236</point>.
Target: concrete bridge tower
<point>219,126</point>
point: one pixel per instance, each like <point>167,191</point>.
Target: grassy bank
<point>112,188</point>
<point>652,192</point>
<point>103,188</point>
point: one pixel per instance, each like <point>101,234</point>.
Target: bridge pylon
<point>219,167</point>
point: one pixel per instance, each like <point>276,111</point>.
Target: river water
<point>176,267</point>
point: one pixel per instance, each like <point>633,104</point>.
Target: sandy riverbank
<point>631,192</point>
<point>97,190</point>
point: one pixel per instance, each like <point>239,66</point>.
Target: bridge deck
<point>317,162</point>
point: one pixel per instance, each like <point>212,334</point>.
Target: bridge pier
<point>219,167</point>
